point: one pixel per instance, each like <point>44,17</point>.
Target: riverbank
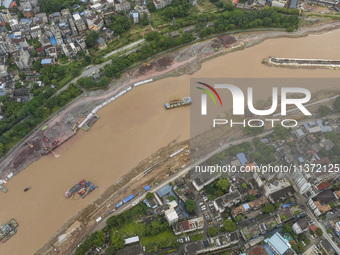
<point>132,128</point>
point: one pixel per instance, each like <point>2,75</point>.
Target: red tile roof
<point>324,185</point>
<point>313,228</point>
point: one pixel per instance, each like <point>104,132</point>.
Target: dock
<point>90,122</point>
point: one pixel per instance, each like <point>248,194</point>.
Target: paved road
<point>92,69</point>
<point>124,48</point>
<point>303,200</point>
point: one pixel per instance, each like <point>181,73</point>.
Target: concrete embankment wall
<point>111,99</point>
<point>295,62</point>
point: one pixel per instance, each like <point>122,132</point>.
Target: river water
<point>130,129</point>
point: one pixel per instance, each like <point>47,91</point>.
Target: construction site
<point>151,171</point>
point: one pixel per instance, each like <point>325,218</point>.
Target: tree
<point>324,110</point>
<point>251,197</point>
<point>8,27</point>
<point>228,6</point>
<point>149,195</point>
<point>37,65</point>
<point>190,205</point>
<point>337,104</point>
<point>91,39</point>
<point>229,225</point>
<point>2,149</point>
<point>268,208</point>
<point>172,198</point>
<point>212,231</point>
<point>244,185</point>
<point>287,228</point>
<point>319,231</point>
<point>144,20</point>
<point>100,239</point>
<point>277,205</point>
<point>329,231</point>
<point>281,132</point>
<point>110,250</point>
<point>223,184</point>
<point>117,241</point>
<point>238,218</point>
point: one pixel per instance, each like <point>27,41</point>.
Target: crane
<point>29,144</point>
<point>55,154</point>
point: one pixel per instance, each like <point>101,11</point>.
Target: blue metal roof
<point>53,40</point>
<point>46,61</point>
<point>28,21</point>
<point>319,123</point>
<point>164,191</point>
<point>325,129</point>
<point>279,243</point>
<point>242,158</point>
<point>7,3</point>
<point>293,4</point>
<point>147,187</point>
<point>128,199</point>
<point>286,205</point>
<point>246,206</point>
<point>300,132</point>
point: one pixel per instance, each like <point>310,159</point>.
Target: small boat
<point>27,189</point>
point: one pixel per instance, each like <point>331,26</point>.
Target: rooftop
<point>325,196</point>
<point>132,240</point>
<point>280,244</point>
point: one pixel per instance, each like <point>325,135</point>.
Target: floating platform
<point>3,188</point>
<point>8,230</point>
<point>90,122</point>
<point>178,103</point>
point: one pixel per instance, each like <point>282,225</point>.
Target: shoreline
<point>201,61</point>
<point>167,73</point>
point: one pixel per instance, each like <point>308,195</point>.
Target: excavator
<point>29,144</point>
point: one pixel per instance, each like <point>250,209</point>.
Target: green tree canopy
<point>190,205</point>
<point>212,231</point>
<point>99,240</point>
<point>223,184</point>
<point>238,218</point>
<point>268,208</point>
<point>91,39</point>
<point>110,251</point>
<point>117,241</point>
<point>281,132</point>
<point>324,110</point>
<point>149,195</point>
<point>229,225</point>
<point>337,103</point>
<point>319,231</point>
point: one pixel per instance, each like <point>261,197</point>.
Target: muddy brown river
<point>130,129</point>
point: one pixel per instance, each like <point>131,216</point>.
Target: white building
<point>171,214</point>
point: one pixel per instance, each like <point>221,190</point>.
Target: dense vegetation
<point>96,239</point>
<point>20,119</point>
<point>50,6</point>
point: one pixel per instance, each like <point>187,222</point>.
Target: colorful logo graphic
<point>209,93</point>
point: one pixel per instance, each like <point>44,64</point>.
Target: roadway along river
<point>130,129</point>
